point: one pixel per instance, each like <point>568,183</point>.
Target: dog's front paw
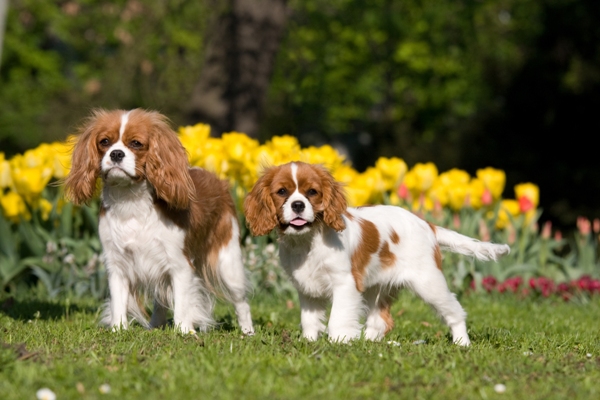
<point>343,336</point>
<point>310,335</point>
<point>462,341</point>
<point>248,331</point>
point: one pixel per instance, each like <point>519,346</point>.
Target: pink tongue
<point>298,222</point>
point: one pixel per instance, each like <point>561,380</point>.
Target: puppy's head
<point>294,197</point>
<point>126,147</point>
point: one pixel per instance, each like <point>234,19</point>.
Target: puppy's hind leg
<point>379,320</point>
<point>430,284</point>
<point>233,279</point>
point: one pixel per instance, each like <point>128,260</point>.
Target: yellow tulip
<point>528,195</point>
<point>45,208</point>
<point>285,144</point>
<point>493,179</point>
<point>449,189</point>
<point>476,193</point>
<point>238,146</point>
<point>508,209</point>
<point>457,195</point>
<point>197,133</point>
<point>324,155</point>
<point>454,176</point>
<point>61,159</point>
<point>392,171</point>
<point>424,176</point>
<point>345,174</point>
<point>439,193</point>
<point>359,191</point>
<point>30,174</point>
<point>423,203</point>
<point>193,139</point>
<point>14,207</point>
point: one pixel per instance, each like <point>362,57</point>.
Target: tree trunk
<point>242,46</point>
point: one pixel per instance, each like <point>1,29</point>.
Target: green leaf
<point>32,239</point>
<point>7,243</point>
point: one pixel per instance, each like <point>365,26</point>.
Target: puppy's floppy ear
<point>80,184</point>
<point>167,165</point>
<point>334,201</point>
<point>259,209</point>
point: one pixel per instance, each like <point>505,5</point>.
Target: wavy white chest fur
<point>138,241</point>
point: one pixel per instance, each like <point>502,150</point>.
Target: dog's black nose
<point>117,155</point>
<point>298,206</point>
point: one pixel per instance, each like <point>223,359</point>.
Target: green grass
<point>539,349</point>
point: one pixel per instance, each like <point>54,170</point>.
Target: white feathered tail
<point>461,244</point>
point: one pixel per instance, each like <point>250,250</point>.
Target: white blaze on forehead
<point>124,120</point>
<point>294,167</point>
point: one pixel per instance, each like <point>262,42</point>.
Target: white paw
<point>373,334</point>
<point>311,336</point>
<point>462,341</point>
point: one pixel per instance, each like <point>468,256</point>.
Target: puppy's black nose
<point>298,207</point>
<point>117,155</point>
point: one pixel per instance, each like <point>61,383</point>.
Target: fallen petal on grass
<point>499,388</point>
<point>45,394</point>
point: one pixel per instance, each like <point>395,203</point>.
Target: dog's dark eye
<point>136,144</point>
<point>312,192</point>
<point>282,192</point>
<point>104,142</point>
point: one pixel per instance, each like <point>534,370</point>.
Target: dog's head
<point>295,197</point>
<point>126,147</point>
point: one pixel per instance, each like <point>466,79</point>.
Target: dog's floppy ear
<point>259,209</point>
<point>167,165</point>
<point>80,184</point>
<point>334,201</point>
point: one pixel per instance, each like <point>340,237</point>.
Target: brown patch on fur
<point>394,237</point>
<point>437,252</point>
<point>208,223</point>
<point>437,255</point>
<point>348,215</point>
<point>387,258</point>
<point>369,244</point>
<point>432,226</point>
<point>385,305</point>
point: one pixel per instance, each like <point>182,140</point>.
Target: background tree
<point>243,41</point>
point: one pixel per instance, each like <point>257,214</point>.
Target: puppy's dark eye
<point>136,144</point>
<point>312,192</point>
<point>282,192</point>
<point>104,142</point>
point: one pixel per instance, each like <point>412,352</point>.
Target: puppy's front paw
<point>343,336</point>
<point>310,335</point>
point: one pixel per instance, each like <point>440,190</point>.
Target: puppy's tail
<point>461,244</point>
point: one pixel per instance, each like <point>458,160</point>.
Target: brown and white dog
<point>165,228</point>
<point>355,257</point>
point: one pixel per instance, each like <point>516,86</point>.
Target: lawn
<point>536,348</point>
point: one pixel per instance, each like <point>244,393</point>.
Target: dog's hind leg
<point>430,284</point>
<point>379,320</point>
<point>233,279</point>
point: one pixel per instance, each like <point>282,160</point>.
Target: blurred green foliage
<point>410,71</point>
<point>62,58</point>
